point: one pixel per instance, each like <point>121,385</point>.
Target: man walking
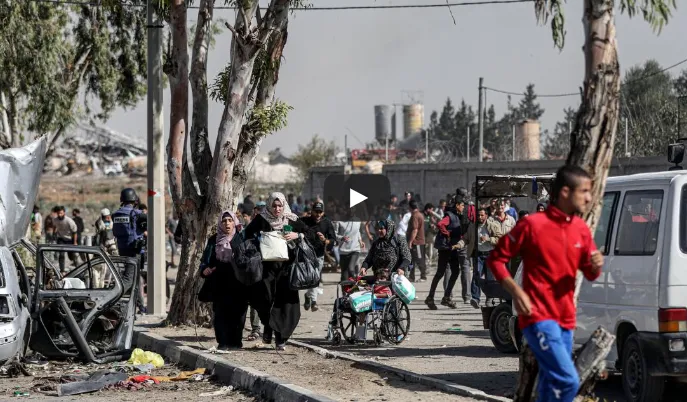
<point>488,233</point>
<point>65,233</point>
<point>416,241</point>
<point>553,245</point>
<point>325,231</point>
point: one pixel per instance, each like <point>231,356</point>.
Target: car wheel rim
<point>502,332</point>
<point>634,373</point>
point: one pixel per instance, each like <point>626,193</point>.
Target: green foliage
<point>648,105</point>
<point>216,29</point>
<point>655,12</point>
<point>66,51</point>
<point>317,152</point>
<point>265,120</point>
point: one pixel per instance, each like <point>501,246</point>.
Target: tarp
<point>532,186</point>
<point>20,174</point>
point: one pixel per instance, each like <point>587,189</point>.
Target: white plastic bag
<point>273,247</point>
<point>403,288</point>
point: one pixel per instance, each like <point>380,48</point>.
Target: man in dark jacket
<point>325,231</point>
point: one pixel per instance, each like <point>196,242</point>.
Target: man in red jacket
<point>553,246</point>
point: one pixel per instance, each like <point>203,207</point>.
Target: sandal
<point>254,336</point>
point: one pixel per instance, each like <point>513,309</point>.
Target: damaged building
<point>97,150</point>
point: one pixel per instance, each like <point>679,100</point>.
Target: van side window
<point>639,222</point>
<point>602,234</point>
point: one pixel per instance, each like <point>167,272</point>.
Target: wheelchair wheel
<point>347,325</point>
<point>395,320</point>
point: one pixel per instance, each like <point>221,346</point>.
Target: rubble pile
<point>97,150</point>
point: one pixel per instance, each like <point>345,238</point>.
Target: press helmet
<point>128,195</point>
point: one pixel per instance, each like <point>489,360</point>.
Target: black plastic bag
<point>304,271</point>
<point>248,267</point>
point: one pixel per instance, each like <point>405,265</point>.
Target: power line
<point>94,3</point>
<point>661,71</point>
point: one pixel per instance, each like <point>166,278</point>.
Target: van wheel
<point>498,328</point>
<point>638,385</point>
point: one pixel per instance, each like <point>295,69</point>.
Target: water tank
<point>385,118</point>
<point>527,141</point>
<point>413,119</point>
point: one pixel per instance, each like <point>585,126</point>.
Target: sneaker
<point>448,303</point>
<point>281,347</point>
<point>266,340</point>
<point>430,303</point>
<point>307,304</point>
<point>474,303</point>
<point>422,280</point>
<point>491,302</point>
<point>223,348</point>
<point>313,306</point>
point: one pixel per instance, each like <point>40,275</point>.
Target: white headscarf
<point>278,222</point>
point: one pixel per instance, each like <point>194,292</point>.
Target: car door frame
<point>78,331</point>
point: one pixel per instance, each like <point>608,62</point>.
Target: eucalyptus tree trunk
<point>235,149</point>
<point>591,147</point>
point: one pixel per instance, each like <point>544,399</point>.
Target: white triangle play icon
<point>356,198</point>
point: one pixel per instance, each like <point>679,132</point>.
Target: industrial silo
<point>385,118</point>
<point>413,119</point>
<point>527,141</point>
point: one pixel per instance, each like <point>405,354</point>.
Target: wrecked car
<point>86,314</point>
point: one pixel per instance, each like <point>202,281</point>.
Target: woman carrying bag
<point>277,304</point>
<point>229,297</point>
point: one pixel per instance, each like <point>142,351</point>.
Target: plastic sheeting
<point>20,174</point>
<point>532,186</point>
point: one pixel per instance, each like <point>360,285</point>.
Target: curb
<point>245,378</point>
<point>409,376</point>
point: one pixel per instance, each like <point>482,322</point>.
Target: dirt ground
<point>338,379</point>
<point>165,391</point>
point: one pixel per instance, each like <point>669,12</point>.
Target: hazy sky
<point>339,64</point>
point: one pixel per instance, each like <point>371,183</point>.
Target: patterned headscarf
<point>223,244</point>
<point>278,222</point>
<point>385,254</point>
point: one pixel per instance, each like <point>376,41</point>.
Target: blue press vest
<point>124,229</point>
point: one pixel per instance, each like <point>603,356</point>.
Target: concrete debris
<point>97,150</point>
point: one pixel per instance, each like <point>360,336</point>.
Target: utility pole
<point>157,275</point>
<point>513,142</point>
<point>627,151</point>
<point>386,149</point>
<point>480,119</point>
<point>426,146</point>
<point>468,146</point>
<point>346,147</point>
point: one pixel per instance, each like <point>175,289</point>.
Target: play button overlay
<point>356,197</point>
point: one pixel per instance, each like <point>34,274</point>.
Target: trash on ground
<point>227,389</point>
<point>139,356</point>
<point>454,329</point>
<point>94,382</point>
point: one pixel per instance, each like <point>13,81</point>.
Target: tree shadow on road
<point>364,350</point>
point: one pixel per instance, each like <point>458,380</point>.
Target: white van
<point>641,295</point>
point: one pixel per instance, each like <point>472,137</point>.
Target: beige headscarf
<point>278,222</point>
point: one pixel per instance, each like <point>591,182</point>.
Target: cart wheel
<point>337,338</point>
<point>499,328</point>
<point>395,320</point>
<point>347,325</point>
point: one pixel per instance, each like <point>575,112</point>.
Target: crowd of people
<point>404,237</point>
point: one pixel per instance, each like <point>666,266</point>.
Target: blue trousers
<point>552,346</point>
